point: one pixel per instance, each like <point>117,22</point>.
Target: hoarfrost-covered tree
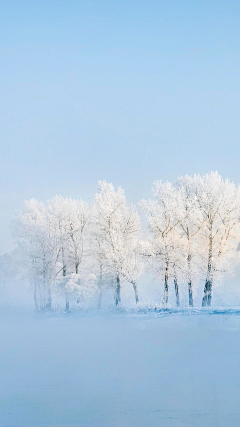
<point>70,218</point>
<point>189,226</point>
<point>80,287</point>
<point>218,202</point>
<point>38,246</point>
<point>117,231</point>
<point>75,249</point>
<point>104,279</point>
<point>164,215</point>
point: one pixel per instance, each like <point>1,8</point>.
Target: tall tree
<point>164,215</point>
<point>189,226</point>
<point>117,230</point>
<point>70,218</point>
<point>218,202</point>
<point>37,243</point>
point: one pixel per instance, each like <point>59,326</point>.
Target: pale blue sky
<point>129,91</point>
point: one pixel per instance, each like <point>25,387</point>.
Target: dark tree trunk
<point>165,298</point>
<point>118,289</point>
<point>76,271</point>
<point>76,267</point>
<point>135,292</point>
<point>176,291</point>
<point>190,294</point>
<point>64,270</point>
<point>207,296</point>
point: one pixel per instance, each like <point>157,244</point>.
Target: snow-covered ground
<point>120,369</point>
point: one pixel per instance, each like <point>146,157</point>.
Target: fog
<point>114,369</point>
<point>18,295</point>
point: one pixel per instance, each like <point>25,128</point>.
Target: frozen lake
<point>120,370</point>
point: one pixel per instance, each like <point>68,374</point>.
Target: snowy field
<point>120,369</point>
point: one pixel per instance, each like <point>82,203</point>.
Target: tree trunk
<point>76,267</point>
<point>40,297</point>
<point>100,300</point>
<point>207,297</point>
<point>49,298</point>
<point>190,294</point>
<point>190,291</point>
<point>76,271</point>
<point>67,305</point>
<point>44,299</point>
<point>64,270</point>
<point>100,286</point>
<point>135,292</point>
<point>176,291</point>
<point>35,287</point>
<point>165,298</point>
<point>35,296</point>
<point>118,289</point>
<point>49,302</point>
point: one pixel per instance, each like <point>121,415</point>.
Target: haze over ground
<point>114,370</point>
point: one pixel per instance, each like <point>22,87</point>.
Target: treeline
<point>77,250</point>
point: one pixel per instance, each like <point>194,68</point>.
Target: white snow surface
<point>120,369</point>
